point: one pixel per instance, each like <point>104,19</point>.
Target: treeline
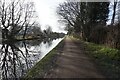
<point>89,20</point>
<point>48,33</point>
<point>35,32</point>
<point>18,22</point>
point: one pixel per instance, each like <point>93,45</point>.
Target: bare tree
<point>119,11</point>
<point>15,16</point>
<point>114,12</point>
<point>69,11</point>
<point>84,16</point>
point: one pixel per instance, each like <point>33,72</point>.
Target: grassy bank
<point>107,59</point>
<point>44,65</point>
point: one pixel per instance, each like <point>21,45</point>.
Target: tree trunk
<point>114,11</point>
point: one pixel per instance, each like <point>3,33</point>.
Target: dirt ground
<point>72,62</point>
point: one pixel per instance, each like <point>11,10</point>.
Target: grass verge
<point>44,65</point>
<point>107,59</point>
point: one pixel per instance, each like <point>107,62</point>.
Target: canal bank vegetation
<point>91,24</point>
<point>90,21</point>
<point>46,64</point>
<point>39,70</point>
<point>105,57</point>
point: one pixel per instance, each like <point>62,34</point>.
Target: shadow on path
<point>73,63</point>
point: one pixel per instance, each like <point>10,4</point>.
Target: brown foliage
<point>113,36</point>
<point>108,35</point>
<point>98,34</point>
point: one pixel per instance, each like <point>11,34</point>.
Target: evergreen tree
<point>98,12</point>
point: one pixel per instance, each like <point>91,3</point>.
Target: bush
<point>98,34</point>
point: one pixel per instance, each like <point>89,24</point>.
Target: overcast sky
<point>46,10</point>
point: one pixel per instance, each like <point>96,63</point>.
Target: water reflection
<point>23,55</point>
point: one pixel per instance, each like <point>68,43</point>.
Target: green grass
<point>99,51</point>
<point>107,58</point>
<point>44,65</point>
<point>39,69</point>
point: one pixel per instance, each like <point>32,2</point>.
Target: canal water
<point>34,50</point>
